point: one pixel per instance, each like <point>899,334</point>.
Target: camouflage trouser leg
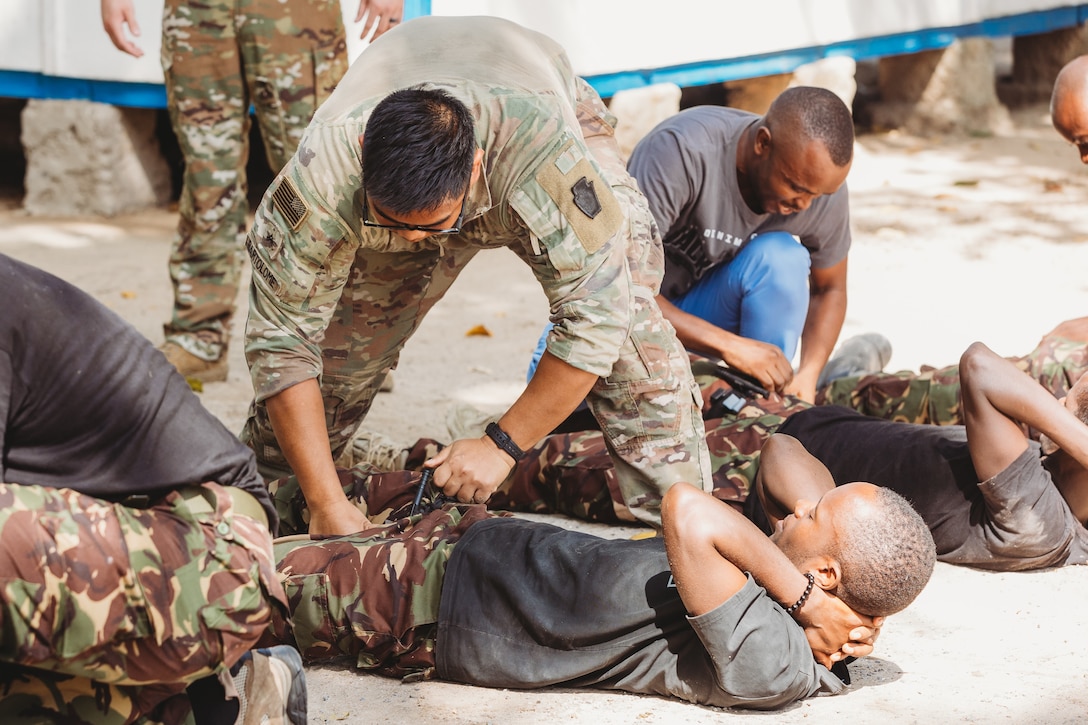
<point>933,395</point>
<point>284,57</point>
<point>649,405</point>
<point>109,611</point>
<point>573,474</point>
<point>384,300</point>
<point>372,596</point>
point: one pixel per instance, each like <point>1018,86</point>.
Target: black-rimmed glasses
<point>455,229</point>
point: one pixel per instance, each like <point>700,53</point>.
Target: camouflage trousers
<point>373,596</point>
<point>109,612</point>
<point>283,57</point>
<point>933,394</point>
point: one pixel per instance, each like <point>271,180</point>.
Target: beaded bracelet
<point>503,441</point>
<point>804,597</point>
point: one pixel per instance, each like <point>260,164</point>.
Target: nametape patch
<point>286,199</point>
<point>583,198</point>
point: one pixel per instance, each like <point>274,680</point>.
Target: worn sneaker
<point>858,355</point>
<point>271,687</point>
<point>192,367</point>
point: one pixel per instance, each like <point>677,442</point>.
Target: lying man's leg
<point>933,394</point>
<point>388,629</point>
<point>135,602</point>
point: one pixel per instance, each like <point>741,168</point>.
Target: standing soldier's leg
<point>649,406</point>
<point>294,53</point>
<point>209,110</point>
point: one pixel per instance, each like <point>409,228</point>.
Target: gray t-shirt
<point>528,605</point>
<point>686,167</point>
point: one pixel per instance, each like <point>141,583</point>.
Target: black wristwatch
<point>502,440</point>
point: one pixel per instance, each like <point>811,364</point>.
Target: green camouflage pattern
<point>337,301</point>
<point>109,612</point>
<point>572,473</point>
<point>337,612</point>
<point>932,395</point>
<point>218,57</point>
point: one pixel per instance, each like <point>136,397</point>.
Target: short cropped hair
<point>816,114</point>
<point>887,556</point>
<point>418,148</point>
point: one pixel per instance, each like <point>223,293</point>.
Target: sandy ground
<point>955,240</point>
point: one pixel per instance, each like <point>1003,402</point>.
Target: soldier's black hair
<point>816,114</point>
<point>418,148</point>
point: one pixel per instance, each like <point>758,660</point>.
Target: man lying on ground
<point>713,613</point>
<point>932,395</point>
<point>135,551</point>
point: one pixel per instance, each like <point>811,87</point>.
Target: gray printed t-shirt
<point>527,605</point>
<point>686,167</point>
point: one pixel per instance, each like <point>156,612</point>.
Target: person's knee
<point>782,256</point>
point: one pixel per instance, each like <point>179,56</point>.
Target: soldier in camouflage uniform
<point>343,274</point>
<point>135,550</point>
<point>283,57</point>
<point>933,394</point>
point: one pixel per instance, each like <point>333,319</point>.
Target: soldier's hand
<point>382,15</point>
<point>470,469</point>
<point>116,14</point>
<point>762,360</point>
<point>338,519</point>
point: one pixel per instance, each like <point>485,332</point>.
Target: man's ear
<point>762,144</point>
<point>827,570</point>
<point>477,165</point>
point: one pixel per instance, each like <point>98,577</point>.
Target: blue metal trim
<point>22,84</point>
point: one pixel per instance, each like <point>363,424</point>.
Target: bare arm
<point>710,546</point>
<point>298,419</point>
<point>788,474</point>
<point>826,312</point>
<point>996,399</point>
<point>116,15</point>
<point>760,359</point>
<point>472,468</point>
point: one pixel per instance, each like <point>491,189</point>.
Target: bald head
<point>1069,104</point>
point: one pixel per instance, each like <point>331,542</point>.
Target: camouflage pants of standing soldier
<point>283,57</point>
<point>372,597</point>
<point>933,394</point>
<point>649,403</point>
<point>109,612</point>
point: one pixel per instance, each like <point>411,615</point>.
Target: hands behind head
<point>836,631</point>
